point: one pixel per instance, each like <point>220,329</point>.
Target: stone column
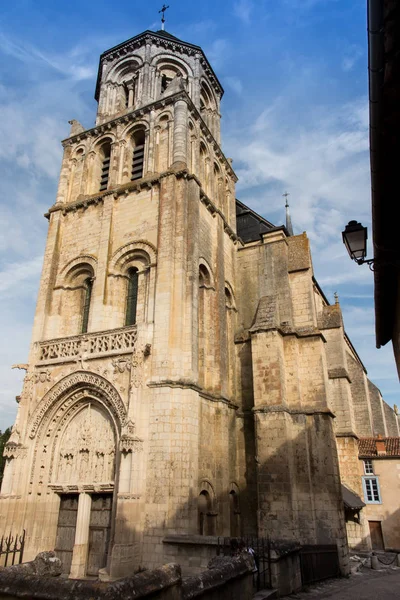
<point>62,193</point>
<point>146,78</point>
<point>81,545</point>
<point>196,82</point>
<point>150,144</point>
<point>130,94</point>
<point>125,472</point>
<point>179,158</point>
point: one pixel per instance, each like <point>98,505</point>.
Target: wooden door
<point>99,532</point>
<point>375,528</point>
<point>66,528</point>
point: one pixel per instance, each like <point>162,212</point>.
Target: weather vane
<point>164,8</point>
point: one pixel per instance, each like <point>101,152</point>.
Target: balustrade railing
<point>115,341</point>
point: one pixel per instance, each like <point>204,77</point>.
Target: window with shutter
<point>138,156</point>
<point>88,284</point>
<point>131,301</point>
<point>105,167</point>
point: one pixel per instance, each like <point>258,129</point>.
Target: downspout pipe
<point>376,73</point>
<point>376,77</point>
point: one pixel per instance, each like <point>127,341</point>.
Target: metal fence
<point>12,549</point>
<point>317,562</point>
<point>260,548</point>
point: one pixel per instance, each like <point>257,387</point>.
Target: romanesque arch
<point>76,428</point>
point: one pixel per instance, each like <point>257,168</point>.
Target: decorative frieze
<point>91,345</point>
<point>84,383</point>
<point>13,450</point>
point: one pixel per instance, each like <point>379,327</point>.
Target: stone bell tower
<point>125,433</point>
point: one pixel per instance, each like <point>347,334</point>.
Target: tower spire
<point>288,217</point>
<point>164,8</point>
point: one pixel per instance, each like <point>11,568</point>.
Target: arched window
<point>205,516</point>
<point>138,155</point>
<point>105,166</point>
<point>132,297</point>
<point>165,80</point>
<point>87,294</point>
<point>234,514</point>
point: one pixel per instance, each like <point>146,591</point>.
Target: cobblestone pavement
<point>364,585</point>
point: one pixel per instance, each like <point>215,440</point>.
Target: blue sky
<point>295,117</point>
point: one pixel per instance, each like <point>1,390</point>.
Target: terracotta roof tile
<point>367,446</point>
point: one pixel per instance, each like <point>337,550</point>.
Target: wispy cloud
<point>71,64</point>
<point>13,274</point>
<point>351,56</point>
<point>243,9</point>
<point>218,52</point>
<point>233,83</point>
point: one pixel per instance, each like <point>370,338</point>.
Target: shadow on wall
<point>299,497</point>
<point>384,530</point>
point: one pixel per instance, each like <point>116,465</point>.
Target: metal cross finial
<point>286,195</point>
<point>336,295</point>
<point>164,8</point>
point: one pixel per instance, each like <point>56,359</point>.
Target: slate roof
<point>351,499</point>
<point>250,225</point>
<point>367,447</point>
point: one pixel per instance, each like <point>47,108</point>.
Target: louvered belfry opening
<point>105,167</point>
<point>138,155</point>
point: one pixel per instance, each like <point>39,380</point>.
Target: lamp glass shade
<point>355,240</point>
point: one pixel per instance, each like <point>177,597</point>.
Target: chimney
<point>380,446</point>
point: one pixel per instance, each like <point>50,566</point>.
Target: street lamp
<point>355,239</point>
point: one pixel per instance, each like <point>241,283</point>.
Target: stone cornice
<point>281,408</point>
<point>191,385</point>
<point>172,43</point>
<point>108,126</point>
<point>339,373</point>
<point>286,331</point>
<point>137,186</point>
<point>346,434</point>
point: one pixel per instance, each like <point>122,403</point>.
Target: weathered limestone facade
<point>184,373</point>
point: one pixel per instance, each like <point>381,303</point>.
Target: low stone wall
<point>29,581</point>
<point>225,579</point>
<point>286,572</point>
<point>192,552</point>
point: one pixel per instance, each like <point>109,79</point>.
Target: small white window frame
<point>368,464</point>
<point>376,479</point>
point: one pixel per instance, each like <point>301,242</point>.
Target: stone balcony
<point>88,345</point>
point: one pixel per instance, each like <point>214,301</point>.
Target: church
<point>187,377</point>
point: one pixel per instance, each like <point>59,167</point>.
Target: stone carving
<point>121,365</point>
<point>92,344</point>
<point>42,376</point>
<point>136,370</point>
<point>87,450</point>
<point>129,442</point>
<point>76,380</point>
<point>14,450</point>
<point>131,445</point>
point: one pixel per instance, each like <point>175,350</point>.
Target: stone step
<point>264,594</point>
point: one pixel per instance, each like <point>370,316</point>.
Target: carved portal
<point>87,448</point>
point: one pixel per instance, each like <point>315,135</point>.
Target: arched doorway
<point>77,427</point>
<point>85,464</point>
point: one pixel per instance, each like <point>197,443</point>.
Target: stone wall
<point>225,579</point>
